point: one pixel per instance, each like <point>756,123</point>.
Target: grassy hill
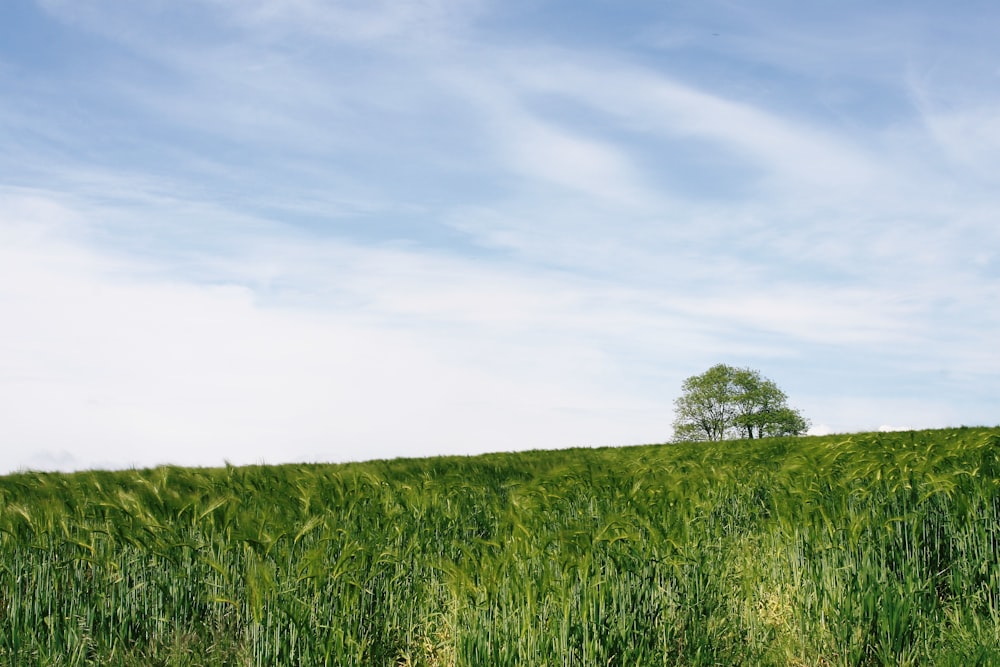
<point>865,549</point>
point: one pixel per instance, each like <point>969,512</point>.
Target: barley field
<point>864,549</point>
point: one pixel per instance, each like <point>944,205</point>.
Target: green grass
<point>866,549</point>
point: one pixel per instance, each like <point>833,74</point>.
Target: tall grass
<point>869,549</point>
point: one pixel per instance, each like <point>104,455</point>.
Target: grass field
<point>865,549</point>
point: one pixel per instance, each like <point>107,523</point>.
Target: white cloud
<point>146,370</point>
<point>969,136</point>
<point>593,168</point>
<point>351,19</point>
<point>867,412</point>
<point>784,148</point>
<point>820,429</point>
<point>276,222</point>
<point>379,351</point>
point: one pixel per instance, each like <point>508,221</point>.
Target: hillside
<point>861,549</point>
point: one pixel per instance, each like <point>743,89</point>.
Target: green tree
<point>728,402</point>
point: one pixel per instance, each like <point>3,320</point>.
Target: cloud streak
<point>412,228</point>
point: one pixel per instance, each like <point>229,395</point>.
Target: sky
<point>274,231</point>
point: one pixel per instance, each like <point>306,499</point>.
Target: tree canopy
<point>728,402</point>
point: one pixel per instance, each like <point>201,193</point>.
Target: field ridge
<point>846,549</point>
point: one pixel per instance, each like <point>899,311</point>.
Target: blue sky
<point>286,230</point>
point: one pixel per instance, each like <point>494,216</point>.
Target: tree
<point>728,402</point>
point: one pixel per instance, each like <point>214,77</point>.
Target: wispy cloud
<point>446,351</point>
<point>658,106</point>
<point>243,223</point>
<point>352,20</point>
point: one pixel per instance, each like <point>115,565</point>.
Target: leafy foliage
<point>869,549</point>
<point>728,402</point>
